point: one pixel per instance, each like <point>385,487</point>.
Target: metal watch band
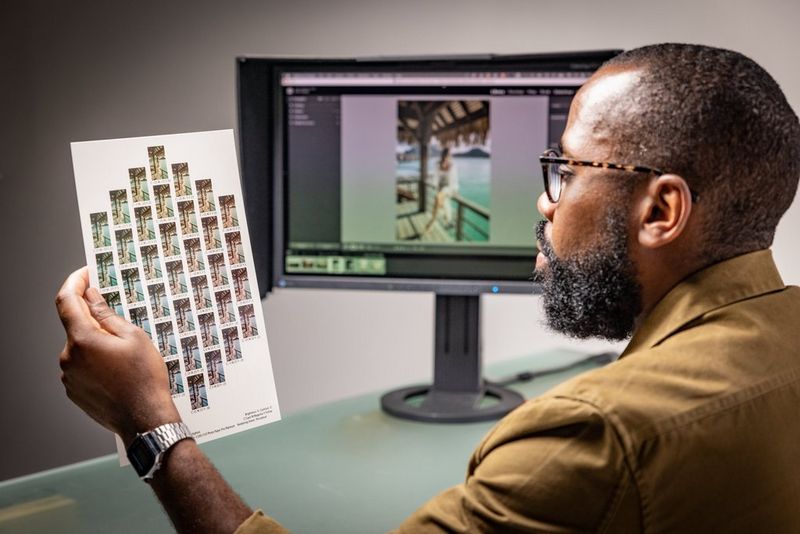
<point>169,434</point>
<point>147,450</point>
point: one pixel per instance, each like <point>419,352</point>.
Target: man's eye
<point>564,172</point>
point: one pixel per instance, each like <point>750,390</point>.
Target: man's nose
<point>545,207</point>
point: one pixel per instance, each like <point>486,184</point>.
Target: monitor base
<point>458,393</point>
<point>491,402</point>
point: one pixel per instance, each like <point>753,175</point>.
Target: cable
<point>602,358</point>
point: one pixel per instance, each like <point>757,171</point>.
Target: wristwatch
<point>147,450</point>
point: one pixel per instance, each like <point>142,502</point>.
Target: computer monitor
<point>412,174</point>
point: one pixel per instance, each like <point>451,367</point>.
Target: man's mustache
<point>545,247</point>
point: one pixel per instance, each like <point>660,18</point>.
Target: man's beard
<point>594,293</point>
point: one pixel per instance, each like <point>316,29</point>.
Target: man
<point>678,162</point>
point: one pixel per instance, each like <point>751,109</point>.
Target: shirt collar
<point>723,283</point>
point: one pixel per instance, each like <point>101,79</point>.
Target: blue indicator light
<point>495,289</point>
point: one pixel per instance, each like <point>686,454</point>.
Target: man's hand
<point>113,372</point>
<point>111,369</point>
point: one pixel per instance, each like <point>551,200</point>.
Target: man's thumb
<point>103,314</point>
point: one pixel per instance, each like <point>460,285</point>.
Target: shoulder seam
<point>631,469</point>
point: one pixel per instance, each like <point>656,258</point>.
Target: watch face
<point>142,454</point>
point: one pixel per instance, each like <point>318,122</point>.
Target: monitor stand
<point>458,393</point>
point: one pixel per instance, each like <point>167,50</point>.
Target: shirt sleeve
<point>258,523</point>
<point>554,464</point>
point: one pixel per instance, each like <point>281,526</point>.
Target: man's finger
<point>64,358</point>
<point>72,309</point>
<point>103,314</point>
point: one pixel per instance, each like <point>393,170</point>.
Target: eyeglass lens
<point>553,181</point>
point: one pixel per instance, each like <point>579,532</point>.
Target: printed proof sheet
<point>167,245</point>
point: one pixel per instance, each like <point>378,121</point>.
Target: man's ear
<point>663,210</point>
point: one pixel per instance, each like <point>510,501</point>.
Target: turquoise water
<point>474,184</point>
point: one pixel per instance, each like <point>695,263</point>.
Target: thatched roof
<point>449,121</point>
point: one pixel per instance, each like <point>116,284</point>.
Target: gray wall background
<point>85,70</point>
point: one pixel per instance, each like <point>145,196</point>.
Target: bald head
<point>712,116</point>
<point>597,111</point>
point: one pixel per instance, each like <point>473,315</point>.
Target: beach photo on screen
<point>443,170</point>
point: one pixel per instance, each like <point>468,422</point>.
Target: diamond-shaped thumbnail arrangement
<point>170,258</point>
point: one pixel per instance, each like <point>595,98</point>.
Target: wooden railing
<point>463,206</point>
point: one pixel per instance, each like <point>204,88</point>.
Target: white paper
<point>167,245</point>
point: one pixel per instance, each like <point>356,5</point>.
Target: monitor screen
<point>410,175</point>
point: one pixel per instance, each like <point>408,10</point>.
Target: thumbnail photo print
<point>170,258</point>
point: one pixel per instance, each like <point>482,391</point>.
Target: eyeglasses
<point>552,171</point>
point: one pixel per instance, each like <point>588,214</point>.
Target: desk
<point>342,467</point>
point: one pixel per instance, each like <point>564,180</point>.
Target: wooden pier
<point>411,222</point>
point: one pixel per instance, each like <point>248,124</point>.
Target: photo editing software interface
<point>417,174</point>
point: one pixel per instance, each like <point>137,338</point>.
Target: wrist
<point>174,456</point>
<point>147,418</point>
<point>148,450</point>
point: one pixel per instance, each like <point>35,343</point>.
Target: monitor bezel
<point>260,132</point>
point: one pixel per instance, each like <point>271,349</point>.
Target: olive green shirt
<point>694,429</point>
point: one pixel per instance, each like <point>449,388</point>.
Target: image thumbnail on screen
<point>443,169</point>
